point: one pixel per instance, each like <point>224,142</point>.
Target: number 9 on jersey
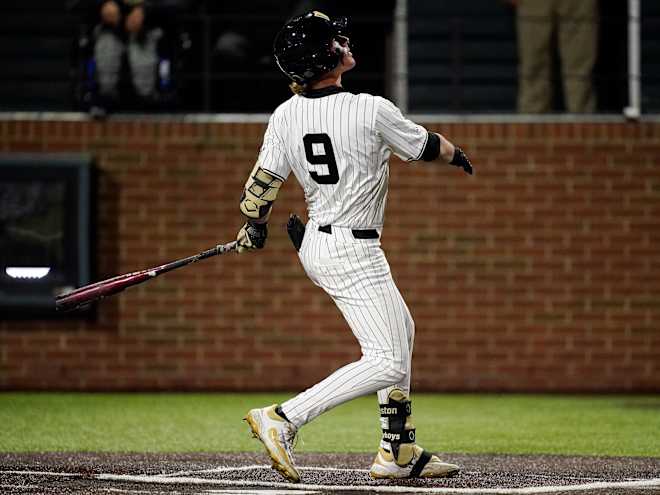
<point>326,158</point>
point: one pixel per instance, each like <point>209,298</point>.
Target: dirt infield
<point>62,473</point>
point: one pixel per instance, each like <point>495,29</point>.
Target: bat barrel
<point>93,292</point>
<point>87,295</point>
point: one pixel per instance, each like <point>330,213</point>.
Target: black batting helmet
<point>304,48</point>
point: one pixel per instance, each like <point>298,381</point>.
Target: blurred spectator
<point>243,47</point>
<point>125,32</point>
<point>134,43</point>
<point>571,26</point>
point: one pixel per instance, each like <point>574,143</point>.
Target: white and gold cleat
<point>414,462</point>
<point>277,435</point>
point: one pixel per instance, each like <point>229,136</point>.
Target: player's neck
<point>333,80</point>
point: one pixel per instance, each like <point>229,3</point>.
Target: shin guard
<point>396,422</point>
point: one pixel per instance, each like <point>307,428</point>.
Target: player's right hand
<point>251,236</point>
<point>460,159</point>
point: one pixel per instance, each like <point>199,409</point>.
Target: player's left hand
<point>460,159</point>
<point>251,236</point>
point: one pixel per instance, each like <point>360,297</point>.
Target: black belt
<point>357,233</point>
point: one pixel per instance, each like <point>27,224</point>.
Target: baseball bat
<point>93,292</point>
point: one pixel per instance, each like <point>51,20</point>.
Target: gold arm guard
<point>260,191</point>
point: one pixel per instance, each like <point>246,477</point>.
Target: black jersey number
<point>325,158</point>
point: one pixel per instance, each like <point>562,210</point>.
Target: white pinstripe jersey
<point>338,145</point>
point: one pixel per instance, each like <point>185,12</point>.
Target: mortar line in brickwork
<point>242,118</point>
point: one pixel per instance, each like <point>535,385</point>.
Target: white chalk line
<point>133,492</point>
<point>45,473</point>
<point>163,479</point>
<point>221,469</point>
<point>24,487</point>
<point>229,469</point>
<point>252,467</point>
<point>392,489</point>
<point>243,491</point>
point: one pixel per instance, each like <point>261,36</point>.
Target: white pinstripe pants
<point>355,273</point>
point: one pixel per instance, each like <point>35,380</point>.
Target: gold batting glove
<point>252,236</point>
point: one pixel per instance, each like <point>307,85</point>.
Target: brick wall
<point>542,272</point>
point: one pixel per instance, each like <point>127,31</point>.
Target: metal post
<point>634,108</point>
<point>400,72</point>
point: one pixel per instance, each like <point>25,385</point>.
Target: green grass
<point>517,424</point>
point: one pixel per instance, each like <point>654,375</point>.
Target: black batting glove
<point>251,236</point>
<point>460,159</point>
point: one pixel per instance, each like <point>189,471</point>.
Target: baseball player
<point>338,144</point>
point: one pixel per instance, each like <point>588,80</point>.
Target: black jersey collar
<point>321,92</point>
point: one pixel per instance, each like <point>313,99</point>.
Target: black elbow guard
<point>432,148</point>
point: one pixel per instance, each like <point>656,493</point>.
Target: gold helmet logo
<point>321,15</point>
